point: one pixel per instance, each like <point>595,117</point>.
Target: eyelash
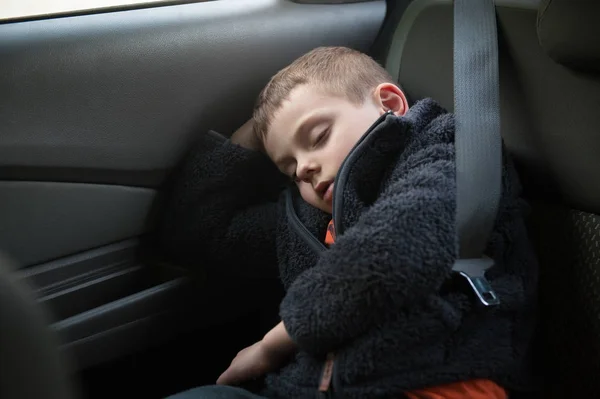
<point>321,137</point>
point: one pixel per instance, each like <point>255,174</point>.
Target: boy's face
<point>312,133</point>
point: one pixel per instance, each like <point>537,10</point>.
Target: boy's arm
<point>222,211</point>
<point>245,136</point>
<point>265,356</point>
<point>400,251</point>
<point>278,342</point>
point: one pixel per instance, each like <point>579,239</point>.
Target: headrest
<point>569,32</point>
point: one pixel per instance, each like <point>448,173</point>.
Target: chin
<point>326,208</point>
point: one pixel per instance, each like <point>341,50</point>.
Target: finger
<point>224,378</point>
<point>231,376</point>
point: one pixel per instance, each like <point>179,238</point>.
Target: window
<point>18,9</point>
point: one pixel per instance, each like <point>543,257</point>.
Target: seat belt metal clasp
<point>473,271</point>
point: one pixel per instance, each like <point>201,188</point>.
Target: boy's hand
<point>261,358</point>
<point>245,137</point>
<point>251,362</point>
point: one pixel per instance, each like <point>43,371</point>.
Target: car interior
<point>98,108</point>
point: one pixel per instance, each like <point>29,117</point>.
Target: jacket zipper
<point>342,175</point>
<point>300,228</point>
<point>329,383</point>
<point>340,181</point>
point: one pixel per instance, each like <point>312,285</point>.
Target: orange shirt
<point>473,389</point>
<point>330,235</point>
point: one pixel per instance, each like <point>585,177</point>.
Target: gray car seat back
<point>550,123</point>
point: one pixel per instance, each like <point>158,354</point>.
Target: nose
<point>306,170</point>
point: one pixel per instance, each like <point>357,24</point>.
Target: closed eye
<point>321,137</point>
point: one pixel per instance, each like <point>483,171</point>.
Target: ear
<point>389,97</point>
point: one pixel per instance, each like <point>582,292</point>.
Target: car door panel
<point>95,111</point>
<point>42,221</point>
<point>125,91</point>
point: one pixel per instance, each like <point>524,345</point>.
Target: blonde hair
<point>338,70</point>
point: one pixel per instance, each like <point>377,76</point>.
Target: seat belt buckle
<point>473,271</point>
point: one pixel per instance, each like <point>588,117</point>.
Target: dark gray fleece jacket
<point>382,297</point>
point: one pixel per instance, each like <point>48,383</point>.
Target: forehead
<point>301,101</point>
<point>304,102</point>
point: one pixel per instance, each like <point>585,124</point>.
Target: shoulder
<point>429,124</point>
<point>427,162</point>
<point>430,142</point>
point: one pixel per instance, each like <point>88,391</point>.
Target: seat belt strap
<point>478,143</point>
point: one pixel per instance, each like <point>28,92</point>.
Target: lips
<point>328,195</point>
<point>325,190</point>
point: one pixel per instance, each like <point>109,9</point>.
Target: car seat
<point>550,123</point>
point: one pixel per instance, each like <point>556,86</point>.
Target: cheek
<point>345,142</point>
<point>363,120</point>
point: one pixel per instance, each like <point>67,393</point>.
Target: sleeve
<point>400,250</point>
<point>222,211</point>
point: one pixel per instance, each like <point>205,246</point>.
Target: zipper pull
<point>327,374</point>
